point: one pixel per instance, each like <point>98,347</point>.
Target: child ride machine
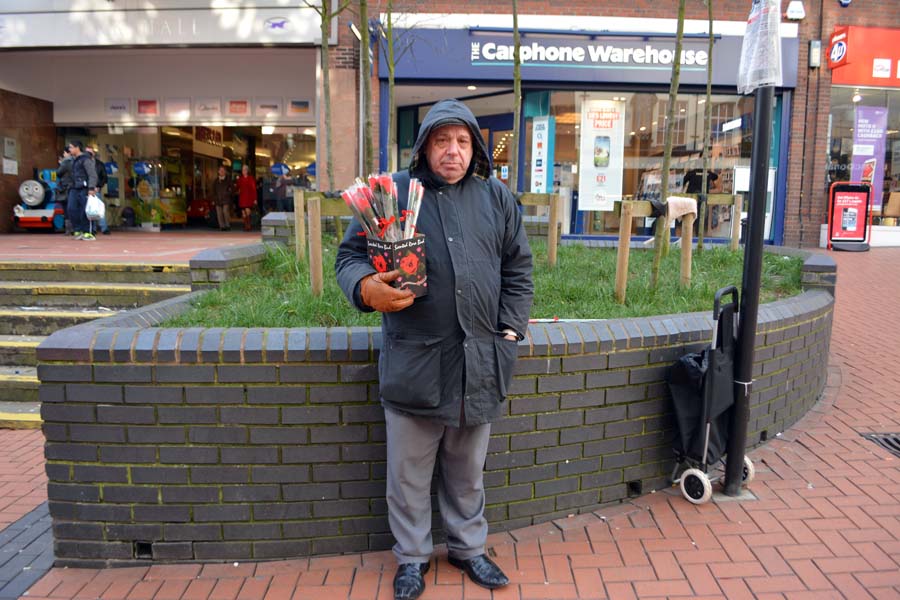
<point>39,208</point>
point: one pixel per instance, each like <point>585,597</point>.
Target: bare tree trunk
<point>365,79</point>
<point>707,132</point>
<point>661,245</point>
<point>326,95</point>
<point>392,99</point>
<point>517,100</point>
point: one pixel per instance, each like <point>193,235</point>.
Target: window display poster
<point>869,136</point>
<point>298,107</point>
<point>207,107</point>
<point>118,107</point>
<point>542,135</point>
<point>601,153</point>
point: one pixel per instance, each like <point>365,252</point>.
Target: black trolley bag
<point>702,388</point>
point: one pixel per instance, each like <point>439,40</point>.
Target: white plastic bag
<point>94,209</point>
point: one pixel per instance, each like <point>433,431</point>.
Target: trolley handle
<point>730,289</point>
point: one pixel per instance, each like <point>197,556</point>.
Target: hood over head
<point>450,112</point>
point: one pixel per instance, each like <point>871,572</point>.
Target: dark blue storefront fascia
<point>448,56</point>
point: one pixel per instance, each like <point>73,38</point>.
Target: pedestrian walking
<point>84,179</point>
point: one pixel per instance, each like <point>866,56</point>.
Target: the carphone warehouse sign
<point>472,54</point>
<point>591,54</point>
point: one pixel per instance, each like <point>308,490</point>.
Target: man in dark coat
<point>64,184</point>
<point>84,179</point>
<point>447,358</point>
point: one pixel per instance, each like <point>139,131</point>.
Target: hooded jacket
<point>64,177</point>
<point>445,357</point>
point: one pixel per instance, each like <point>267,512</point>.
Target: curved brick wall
<point>223,444</point>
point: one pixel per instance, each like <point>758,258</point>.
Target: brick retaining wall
<point>236,444</point>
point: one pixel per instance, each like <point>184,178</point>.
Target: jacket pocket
<point>506,352</point>
<point>409,372</point>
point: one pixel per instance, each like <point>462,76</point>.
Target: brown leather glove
<point>376,292</point>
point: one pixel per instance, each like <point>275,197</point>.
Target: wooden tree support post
<point>687,247</point>
<point>299,224</point>
<point>553,230</point>
<point>315,245</point>
<point>623,251</point>
<point>736,222</point>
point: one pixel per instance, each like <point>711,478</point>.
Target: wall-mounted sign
<point>208,107</point>
<point>237,107</point>
<point>118,107</point>
<point>10,148</point>
<point>298,107</point>
<point>602,152</point>
<point>865,56</point>
<point>464,54</point>
<point>147,108</point>
<point>267,107</point>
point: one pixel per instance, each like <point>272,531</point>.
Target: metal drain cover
<point>888,441</point>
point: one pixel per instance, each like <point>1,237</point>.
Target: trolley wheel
<point>748,472</point>
<point>695,486</point>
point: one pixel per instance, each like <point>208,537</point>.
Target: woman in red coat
<point>246,187</point>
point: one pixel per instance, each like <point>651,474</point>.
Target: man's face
<point>221,172</point>
<point>449,151</point>
<point>74,150</point>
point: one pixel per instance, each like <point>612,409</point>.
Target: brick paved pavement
<point>168,247</point>
<point>826,523</point>
<point>23,483</point>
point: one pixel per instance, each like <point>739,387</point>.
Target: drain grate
<point>888,441</point>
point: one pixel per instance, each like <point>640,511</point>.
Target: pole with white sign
<point>542,136</point>
<point>759,72</point>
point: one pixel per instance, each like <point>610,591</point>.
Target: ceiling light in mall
<point>268,129</point>
<point>308,131</point>
<point>642,128</point>
<point>701,101</point>
<point>578,127</point>
<point>856,97</point>
<point>471,88</point>
<point>632,133</point>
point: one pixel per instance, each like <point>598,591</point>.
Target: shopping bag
<point>95,209</point>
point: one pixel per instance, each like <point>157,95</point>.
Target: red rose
<point>379,263</point>
<point>409,264</point>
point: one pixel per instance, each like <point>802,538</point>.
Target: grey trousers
<point>414,445</point>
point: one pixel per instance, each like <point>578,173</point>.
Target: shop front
<point>864,122</point>
<point>164,119</point>
<point>594,111</point>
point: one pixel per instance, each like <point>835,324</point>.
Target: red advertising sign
<point>838,47</point>
<point>848,214</point>
<point>865,56</point>
<point>148,108</point>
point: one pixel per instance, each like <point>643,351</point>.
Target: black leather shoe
<point>481,570</point>
<point>408,582</point>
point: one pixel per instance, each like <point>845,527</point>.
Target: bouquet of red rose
<point>391,236</point>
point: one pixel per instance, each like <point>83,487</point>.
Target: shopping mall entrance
<point>162,177</point>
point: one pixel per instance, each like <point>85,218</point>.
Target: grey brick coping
<point>234,444</point>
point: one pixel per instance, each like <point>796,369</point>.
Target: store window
<point>864,145</point>
<point>163,176</point>
<point>632,149</point>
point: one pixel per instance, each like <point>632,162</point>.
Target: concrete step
<point>18,384</point>
<point>44,321</point>
<point>19,349</point>
<point>86,294</point>
<point>20,415</point>
<point>100,272</point>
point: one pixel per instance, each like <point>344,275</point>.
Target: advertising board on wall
<point>602,152</point>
